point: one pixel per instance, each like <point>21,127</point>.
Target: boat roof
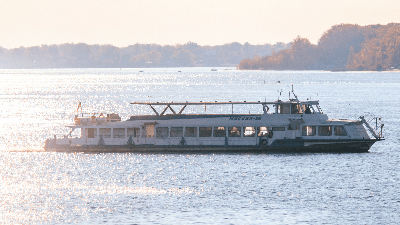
<point>188,116</point>
<point>229,102</point>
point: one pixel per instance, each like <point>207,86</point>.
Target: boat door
<point>290,134</point>
<point>293,129</point>
<point>148,134</point>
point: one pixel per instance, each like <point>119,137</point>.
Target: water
<point>48,188</point>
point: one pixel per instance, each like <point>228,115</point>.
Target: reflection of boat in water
<point>291,126</point>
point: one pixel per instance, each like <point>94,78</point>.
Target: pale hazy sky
<point>205,22</point>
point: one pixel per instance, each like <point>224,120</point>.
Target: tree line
<point>81,55</point>
<point>342,47</point>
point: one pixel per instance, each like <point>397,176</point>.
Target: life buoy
<point>263,142</point>
<point>270,134</point>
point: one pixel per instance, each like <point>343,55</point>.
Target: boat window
<point>278,129</point>
<point>176,132</point>
<point>162,132</point>
<point>148,130</point>
<point>262,131</point>
<point>249,132</point>
<point>119,133</point>
<point>307,109</point>
<point>234,131</point>
<point>283,109</point>
<point>190,131</point>
<point>205,131</point>
<point>340,131</point>
<point>294,109</point>
<point>324,130</point>
<point>92,132</point>
<point>219,132</point>
<point>105,132</point>
<point>134,132</point>
<point>309,131</point>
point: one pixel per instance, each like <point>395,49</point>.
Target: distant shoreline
<point>82,55</point>
<point>218,69</point>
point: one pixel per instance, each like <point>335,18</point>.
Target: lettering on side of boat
<point>245,118</point>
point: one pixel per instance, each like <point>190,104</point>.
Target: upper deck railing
<point>95,118</point>
<point>281,107</point>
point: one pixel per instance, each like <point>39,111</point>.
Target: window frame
<point>235,132</point>
<point>343,131</point>
<point>176,132</point>
<point>305,131</point>
<point>195,133</point>
<point>205,130</point>
<point>324,133</point>
<point>216,130</point>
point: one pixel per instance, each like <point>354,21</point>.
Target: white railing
<point>376,132</point>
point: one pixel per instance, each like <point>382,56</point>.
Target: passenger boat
<point>291,126</point>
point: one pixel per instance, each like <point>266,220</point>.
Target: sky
<point>168,22</point>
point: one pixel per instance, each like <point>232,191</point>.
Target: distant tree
<point>183,57</point>
<point>106,56</point>
<point>70,55</point>
<point>246,64</point>
<point>344,46</point>
<point>300,56</point>
<point>335,43</point>
<point>379,51</point>
<point>2,56</point>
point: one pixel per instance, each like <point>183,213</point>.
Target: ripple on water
<point>40,187</point>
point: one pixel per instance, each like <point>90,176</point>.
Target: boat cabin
<point>296,107</point>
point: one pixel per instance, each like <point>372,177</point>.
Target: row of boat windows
<point>323,131</point>
<point>294,109</point>
<point>164,132</point>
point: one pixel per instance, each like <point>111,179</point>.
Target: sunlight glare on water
<point>38,187</point>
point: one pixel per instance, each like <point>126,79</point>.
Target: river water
<point>38,187</point>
